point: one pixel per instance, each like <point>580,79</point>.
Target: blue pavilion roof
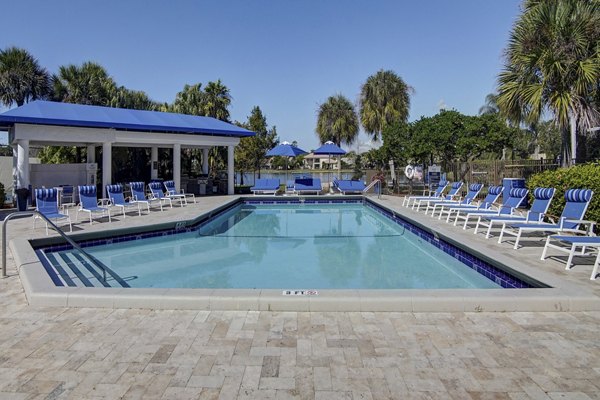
<point>78,115</point>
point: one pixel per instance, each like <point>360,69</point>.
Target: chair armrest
<point>589,223</point>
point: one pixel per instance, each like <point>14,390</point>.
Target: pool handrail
<point>10,216</point>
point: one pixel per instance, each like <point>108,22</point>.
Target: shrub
<point>585,176</point>
<point>2,195</point>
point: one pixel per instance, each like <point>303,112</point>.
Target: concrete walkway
<point>56,353</point>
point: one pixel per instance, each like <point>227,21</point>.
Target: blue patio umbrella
<point>330,149</point>
<point>286,149</point>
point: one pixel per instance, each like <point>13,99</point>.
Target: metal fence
<point>491,172</point>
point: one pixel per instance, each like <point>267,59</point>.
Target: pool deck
<point>49,352</point>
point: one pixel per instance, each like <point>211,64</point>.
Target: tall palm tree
<point>21,77</point>
<point>553,64</point>
<point>216,100</point>
<point>87,84</point>
<point>384,100</point>
<point>337,121</point>
<point>190,100</point>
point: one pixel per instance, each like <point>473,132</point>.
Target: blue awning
<point>78,115</point>
<point>330,148</point>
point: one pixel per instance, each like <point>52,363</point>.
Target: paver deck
<point>81,353</point>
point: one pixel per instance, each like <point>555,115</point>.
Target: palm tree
<point>490,106</point>
<point>21,77</point>
<point>190,100</point>
<point>553,64</point>
<point>384,100</point>
<point>337,121</point>
<point>88,84</point>
<point>216,100</point>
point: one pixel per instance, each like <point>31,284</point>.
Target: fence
<point>491,172</point>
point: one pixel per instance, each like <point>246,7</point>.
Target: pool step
<point>74,270</point>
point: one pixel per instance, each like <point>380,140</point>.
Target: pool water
<point>316,246</point>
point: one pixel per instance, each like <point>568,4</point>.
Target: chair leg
<point>477,225</point>
<point>516,246</point>
<point>570,259</point>
<point>546,249</point>
<point>466,222</point>
<point>489,231</point>
<point>501,233</point>
<point>595,269</point>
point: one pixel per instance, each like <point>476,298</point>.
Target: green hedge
<point>585,176</point>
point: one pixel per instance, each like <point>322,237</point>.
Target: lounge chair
<point>574,242</point>
<point>541,201</point>
<point>117,199</point>
<point>490,199</point>
<point>88,202</point>
<point>348,186</point>
<point>156,190</point>
<point>435,194</point>
<point>289,187</point>
<point>174,194</point>
<point>265,186</point>
<point>452,195</point>
<point>139,196</point>
<point>46,201</point>
<point>577,202</point>
<point>307,185</point>
<point>515,199</point>
<point>472,193</point>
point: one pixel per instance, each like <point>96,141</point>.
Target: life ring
<point>409,171</point>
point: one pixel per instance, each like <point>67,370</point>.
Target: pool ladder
<point>97,263</point>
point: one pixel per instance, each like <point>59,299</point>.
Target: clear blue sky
<point>285,56</point>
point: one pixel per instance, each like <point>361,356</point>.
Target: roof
<point>77,115</point>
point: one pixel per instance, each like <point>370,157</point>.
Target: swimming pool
<point>289,246</point>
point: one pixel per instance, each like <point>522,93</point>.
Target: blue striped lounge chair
<point>265,186</point>
<point>515,199</point>
<point>139,196</point>
<point>117,199</point>
<point>46,201</point>
<point>473,192</point>
<point>452,195</point>
<point>541,201</point>
<point>178,195</point>
<point>156,191</point>
<point>570,220</point>
<point>494,192</point>
<point>573,242</point>
<point>88,202</point>
<point>431,194</point>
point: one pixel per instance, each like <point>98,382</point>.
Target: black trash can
<point>22,198</point>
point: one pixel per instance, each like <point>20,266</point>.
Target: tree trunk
<point>565,152</point>
<point>573,126</point>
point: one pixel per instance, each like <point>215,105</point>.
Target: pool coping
<point>560,296</point>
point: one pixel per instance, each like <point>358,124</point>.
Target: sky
<point>287,57</point>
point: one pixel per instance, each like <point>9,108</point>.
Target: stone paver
<point>58,353</point>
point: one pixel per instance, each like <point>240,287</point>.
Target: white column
<point>205,161</point>
<point>230,170</point>
<point>14,167</point>
<point>22,163</point>
<point>106,166</point>
<point>177,165</point>
<point>91,153</point>
<point>154,162</point>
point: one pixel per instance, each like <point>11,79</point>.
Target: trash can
<point>513,183</point>
<point>22,198</point>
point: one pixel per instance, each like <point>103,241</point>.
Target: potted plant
<point>22,196</point>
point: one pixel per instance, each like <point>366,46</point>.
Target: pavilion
<point>46,123</point>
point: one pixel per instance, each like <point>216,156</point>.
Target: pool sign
<point>300,293</point>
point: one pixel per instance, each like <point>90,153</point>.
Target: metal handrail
<point>376,184</point>
<point>91,258</point>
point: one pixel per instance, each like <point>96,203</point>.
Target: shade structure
<point>331,149</point>
<point>286,149</point>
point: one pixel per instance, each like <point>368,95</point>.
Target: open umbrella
<point>286,149</point>
<point>330,149</point>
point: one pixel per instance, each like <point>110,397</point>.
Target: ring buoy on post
<point>409,171</point>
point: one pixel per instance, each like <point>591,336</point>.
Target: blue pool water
<point>314,246</point>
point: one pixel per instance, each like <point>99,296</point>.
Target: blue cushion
<point>518,192</point>
<point>475,187</point>
<point>136,185</point>
<point>495,190</point>
<point>578,195</point>
<point>89,190</point>
<point>543,193</point>
<point>114,188</point>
